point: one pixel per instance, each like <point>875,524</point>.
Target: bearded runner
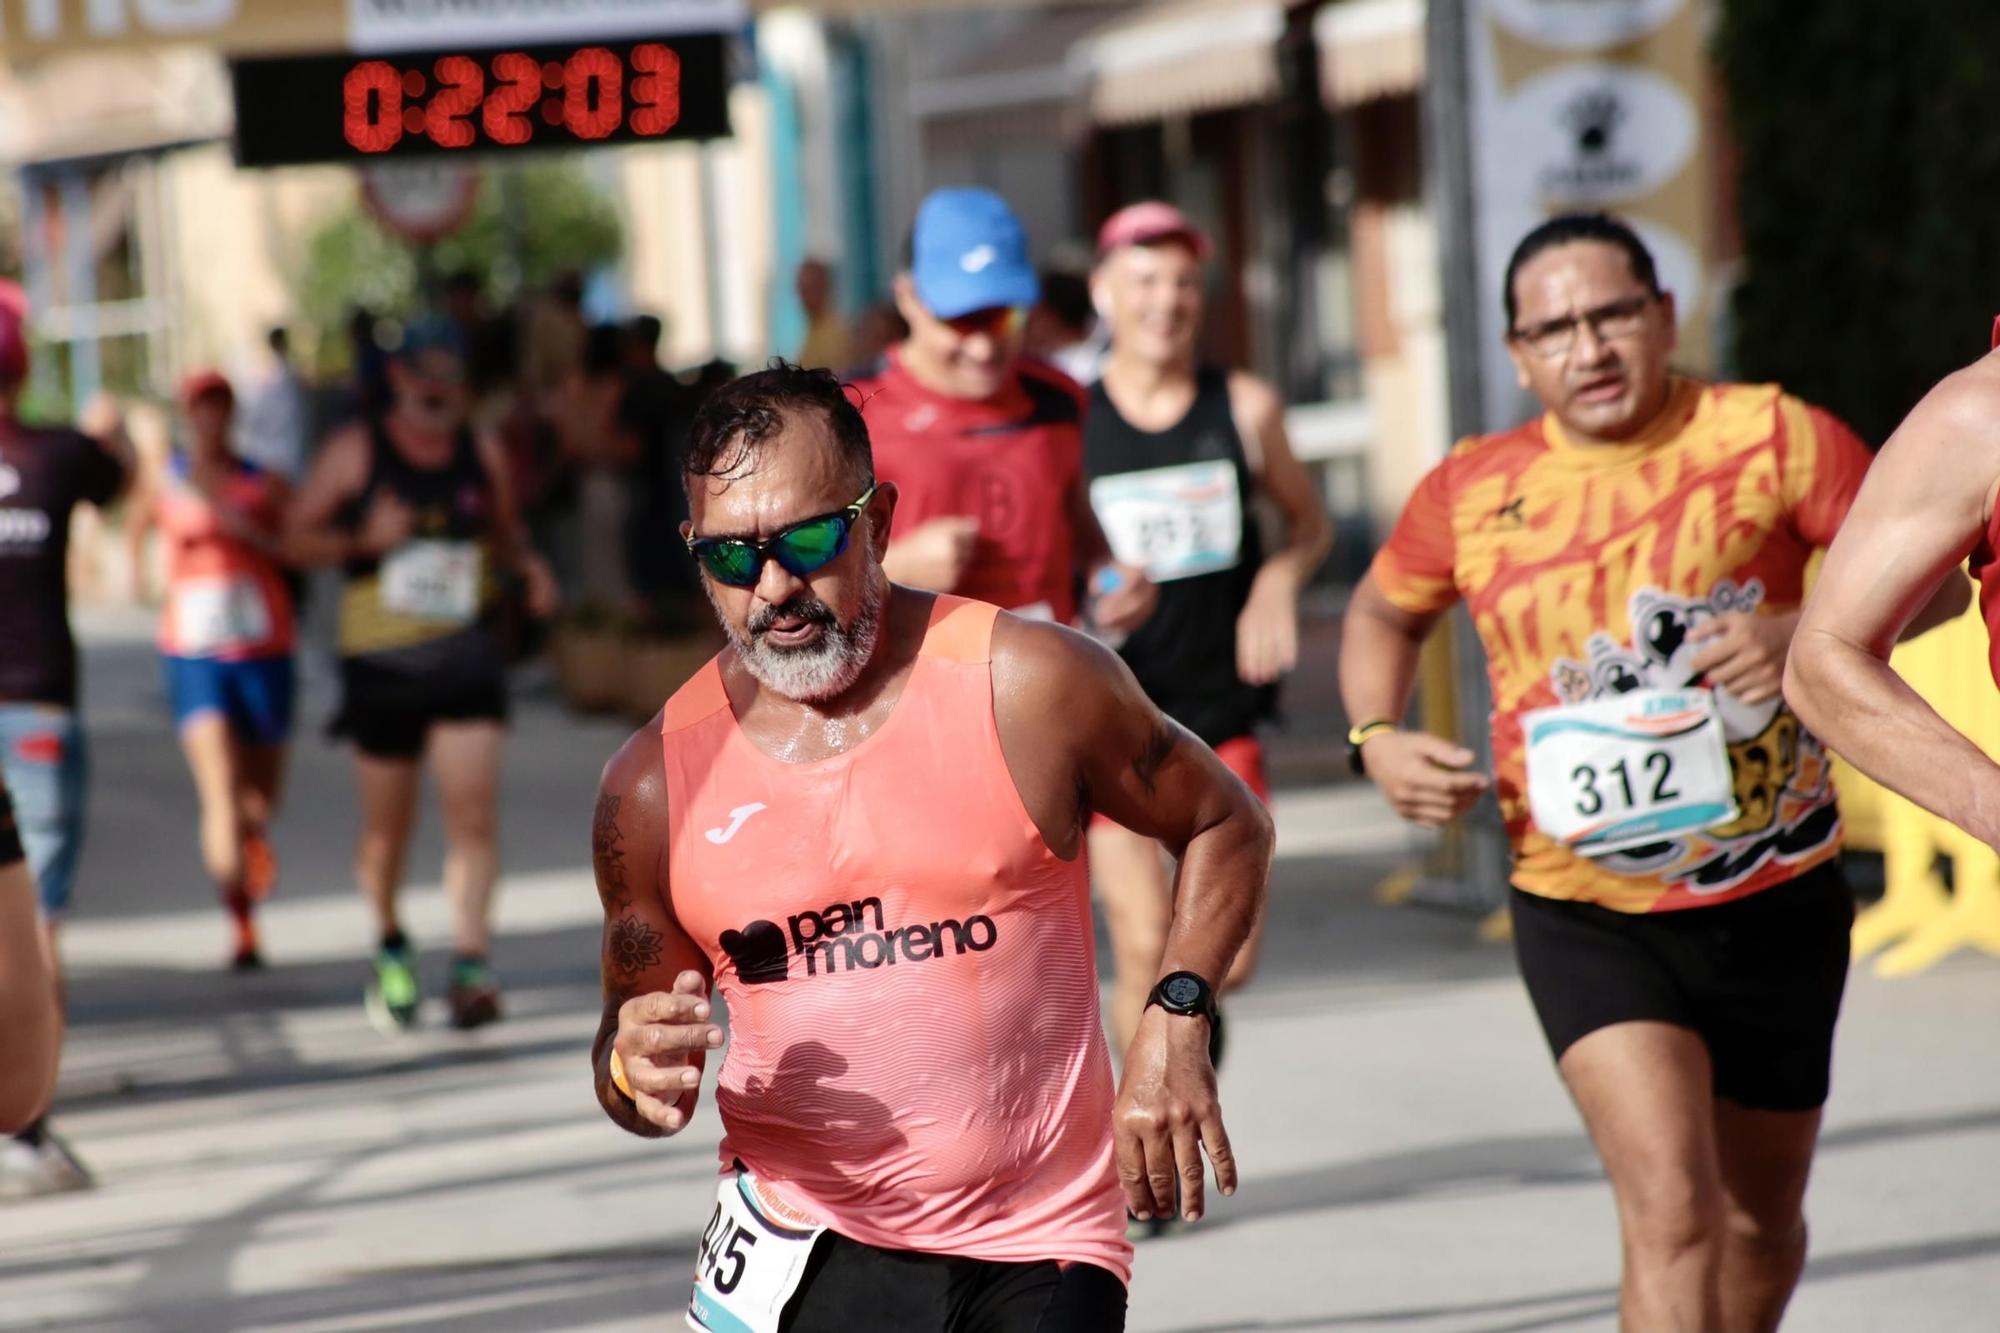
<point>860,824</point>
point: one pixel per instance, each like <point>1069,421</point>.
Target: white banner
<point>421,25</point>
<point>33,28</point>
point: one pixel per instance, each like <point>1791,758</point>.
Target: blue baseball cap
<point>969,252</point>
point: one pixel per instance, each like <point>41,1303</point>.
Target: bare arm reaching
<point>311,537</point>
<point>1081,736</point>
<point>656,1006</point>
<point>1924,504</point>
<point>1267,633</point>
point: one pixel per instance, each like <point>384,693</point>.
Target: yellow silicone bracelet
<point>1360,735</point>
<point>618,1076</point>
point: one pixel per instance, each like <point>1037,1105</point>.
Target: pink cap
<point>206,384</point>
<point>1149,223</point>
<point>13,333</point>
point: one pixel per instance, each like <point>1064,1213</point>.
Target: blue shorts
<point>254,697</point>
<point>43,761</point>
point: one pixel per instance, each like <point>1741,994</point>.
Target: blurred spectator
<point>1064,329</point>
<point>272,432</point>
<point>488,340</point>
<point>880,327</point>
<point>826,333</point>
<point>605,456</point>
<point>655,415</point>
<point>557,334</point>
<point>369,366</point>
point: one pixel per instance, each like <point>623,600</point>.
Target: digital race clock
<point>297,109</point>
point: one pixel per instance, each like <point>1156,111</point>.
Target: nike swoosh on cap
<point>978,259</point>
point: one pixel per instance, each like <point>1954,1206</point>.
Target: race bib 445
<point>753,1254</point>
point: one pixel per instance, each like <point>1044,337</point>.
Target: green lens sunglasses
<point>804,548</point>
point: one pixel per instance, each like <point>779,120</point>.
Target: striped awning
<point>1370,49</point>
<point>1178,57</point>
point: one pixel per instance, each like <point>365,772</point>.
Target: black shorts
<point>1759,980</point>
<point>388,714</point>
<point>849,1286</point>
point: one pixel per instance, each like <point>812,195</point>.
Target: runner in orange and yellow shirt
<point>1633,561</point>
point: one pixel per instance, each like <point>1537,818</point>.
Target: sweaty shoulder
<point>1042,670</point>
<point>633,786</point>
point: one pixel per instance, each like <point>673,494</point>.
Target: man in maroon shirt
<point>985,446</point>
<point>45,472</point>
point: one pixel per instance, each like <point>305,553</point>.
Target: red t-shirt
<point>1012,462</point>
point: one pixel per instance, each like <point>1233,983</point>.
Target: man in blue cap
<point>984,445</point>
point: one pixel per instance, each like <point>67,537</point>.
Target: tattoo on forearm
<point>607,850</point>
<point>1158,747</point>
<point>634,947</point>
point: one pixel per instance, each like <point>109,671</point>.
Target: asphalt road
<point>269,1162</point>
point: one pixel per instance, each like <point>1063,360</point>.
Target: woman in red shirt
<point>226,639</point>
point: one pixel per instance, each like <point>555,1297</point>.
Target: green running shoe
<point>392,995</point>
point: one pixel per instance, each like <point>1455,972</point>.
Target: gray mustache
<point>809,609</point>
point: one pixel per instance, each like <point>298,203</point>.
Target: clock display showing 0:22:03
<point>460,101</point>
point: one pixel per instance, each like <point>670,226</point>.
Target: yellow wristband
<point>1359,735</point>
<point>618,1076</point>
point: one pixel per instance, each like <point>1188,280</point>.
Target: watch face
<point>1182,992</point>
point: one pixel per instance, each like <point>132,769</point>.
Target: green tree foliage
<point>1870,195</point>
<point>560,220</point>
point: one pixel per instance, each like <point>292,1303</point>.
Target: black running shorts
<point>1758,979</point>
<point>849,1286</point>
<point>388,714</point>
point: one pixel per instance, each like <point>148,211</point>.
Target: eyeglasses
<point>997,322</point>
<point>1616,319</point>
<point>804,548</point>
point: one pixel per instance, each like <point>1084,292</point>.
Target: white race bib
<point>214,615</point>
<point>751,1259</point>
<point>432,580</point>
<point>1172,522</point>
<point>1632,769</point>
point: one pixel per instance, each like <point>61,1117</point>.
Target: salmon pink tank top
<point>226,600</point>
<point>915,1057</point>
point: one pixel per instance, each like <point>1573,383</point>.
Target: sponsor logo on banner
<point>410,25</point>
<point>1582,24</point>
<point>1592,133</point>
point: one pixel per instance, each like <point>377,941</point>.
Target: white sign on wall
<point>1559,126</point>
<point>1583,25</point>
<point>415,25</point>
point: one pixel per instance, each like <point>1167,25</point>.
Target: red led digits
<point>600,116</point>
<point>373,98</point>
<point>656,92</point>
<point>461,85</point>
<point>506,112</point>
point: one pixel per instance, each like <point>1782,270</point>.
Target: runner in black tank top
<point>1177,494</point>
<point>419,514</point>
<point>1176,454</point>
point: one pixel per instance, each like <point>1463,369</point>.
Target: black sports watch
<point>1185,994</point>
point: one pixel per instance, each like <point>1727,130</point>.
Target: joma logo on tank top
<point>840,938</point>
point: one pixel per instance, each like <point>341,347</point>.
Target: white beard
<point>823,670</point>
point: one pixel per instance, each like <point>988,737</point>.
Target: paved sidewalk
<point>269,1162</point>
